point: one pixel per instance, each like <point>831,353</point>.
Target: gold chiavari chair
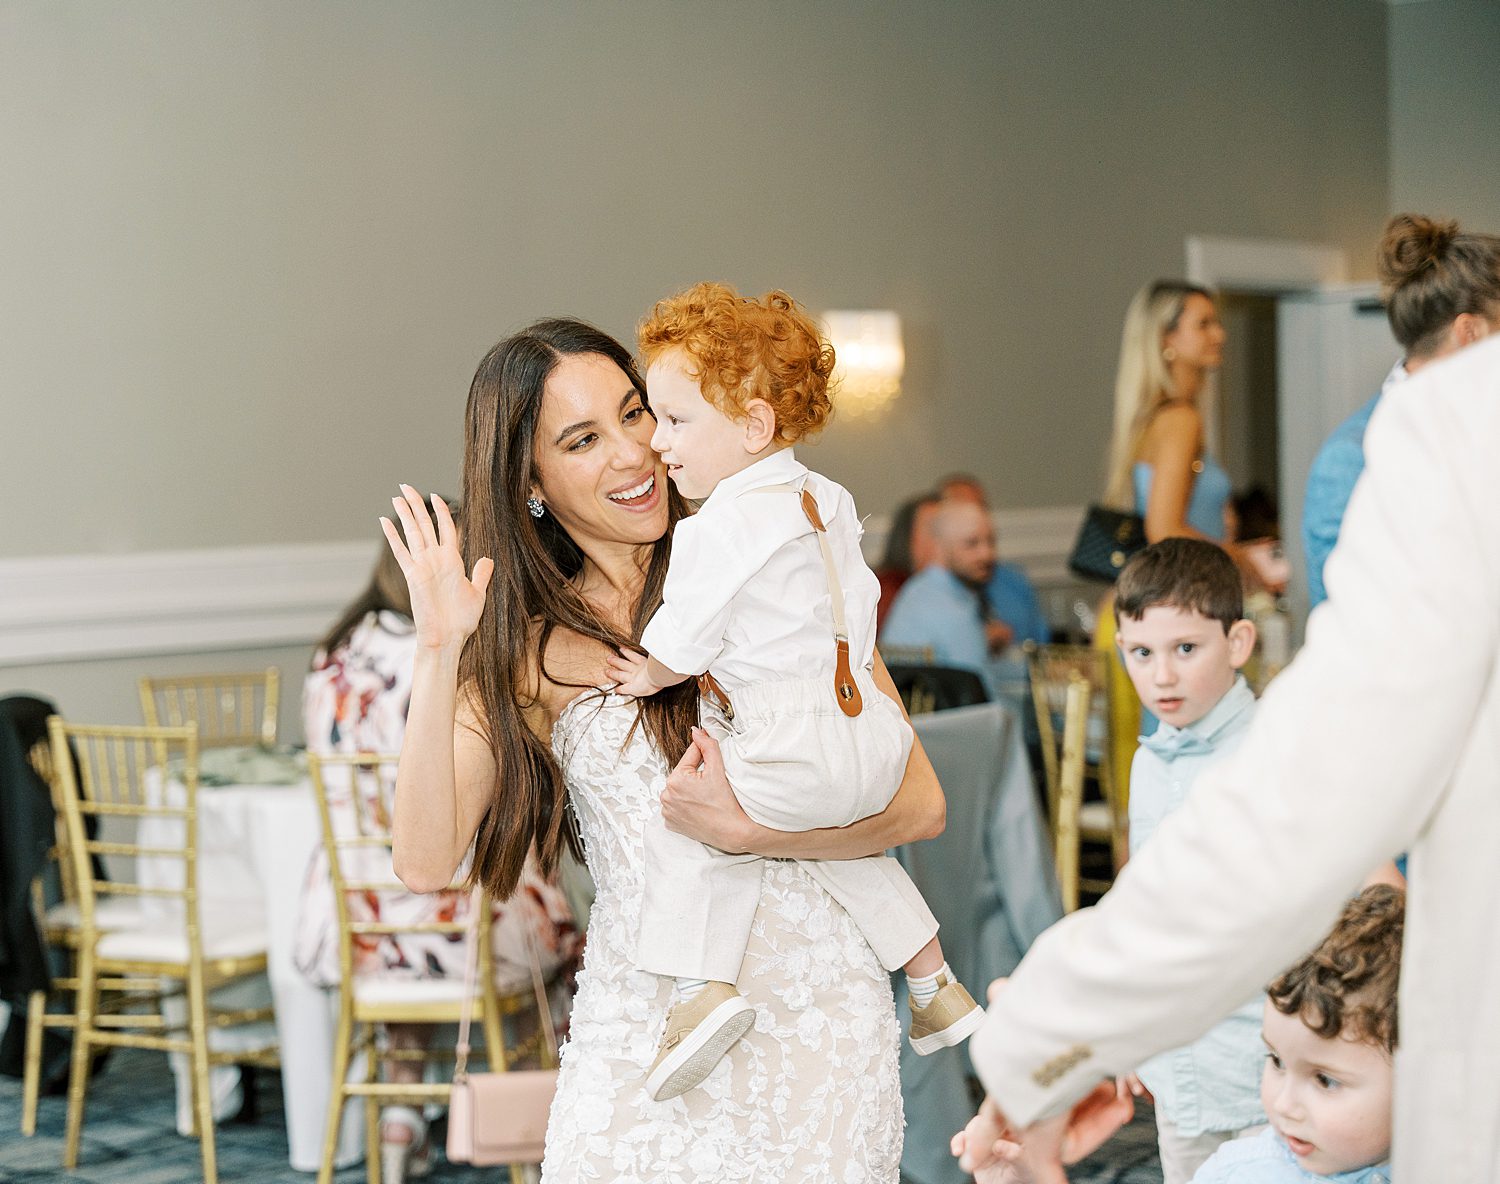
<point>1124,710</point>
<point>907,655</point>
<point>141,786</point>
<point>227,709</point>
<point>1066,808</point>
<point>54,933</point>
<point>1051,669</point>
<point>358,845</point>
<point>59,926</point>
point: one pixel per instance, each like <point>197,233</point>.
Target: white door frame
<point>1263,264</point>
<point>1279,267</point>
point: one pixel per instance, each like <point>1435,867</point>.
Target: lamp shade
<point>870,358</point>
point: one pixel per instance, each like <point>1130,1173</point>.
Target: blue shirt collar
<point>1200,736</point>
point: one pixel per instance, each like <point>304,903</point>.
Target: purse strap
<point>477,912</point>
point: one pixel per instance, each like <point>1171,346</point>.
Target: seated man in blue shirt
<point>1012,599</point>
<point>947,607</point>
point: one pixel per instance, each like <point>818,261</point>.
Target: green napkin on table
<point>248,765</point>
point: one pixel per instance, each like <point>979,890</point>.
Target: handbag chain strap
<point>477,912</point>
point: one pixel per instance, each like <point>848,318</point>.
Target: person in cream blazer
<point>1382,736</point>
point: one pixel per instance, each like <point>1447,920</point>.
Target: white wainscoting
<point>84,607</point>
<point>80,608</point>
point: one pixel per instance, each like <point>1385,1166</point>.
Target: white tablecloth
<point>254,842</point>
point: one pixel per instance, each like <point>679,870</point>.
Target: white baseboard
<point>84,607</point>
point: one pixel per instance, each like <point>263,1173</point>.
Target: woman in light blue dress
<point>1158,466</point>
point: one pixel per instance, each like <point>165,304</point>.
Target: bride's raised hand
<point>446,601</point>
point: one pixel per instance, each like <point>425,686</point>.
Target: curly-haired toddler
<point>1330,1033</point>
<point>769,602</point>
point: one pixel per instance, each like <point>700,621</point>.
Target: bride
<point>510,746</point>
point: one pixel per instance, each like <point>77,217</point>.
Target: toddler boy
<point>768,598</point>
<point>1330,1034</point>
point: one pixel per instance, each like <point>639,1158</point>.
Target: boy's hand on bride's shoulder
<point>446,601</point>
<point>627,669</point>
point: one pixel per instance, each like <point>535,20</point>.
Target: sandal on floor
<point>401,1161</point>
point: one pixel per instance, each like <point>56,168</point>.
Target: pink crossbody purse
<point>499,1118</point>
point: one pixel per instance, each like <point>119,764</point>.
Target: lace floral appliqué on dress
<point>812,1094</point>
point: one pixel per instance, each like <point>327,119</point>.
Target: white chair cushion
<point>1095,817</point>
<point>370,989</point>
<point>222,938</point>
<point>110,912</point>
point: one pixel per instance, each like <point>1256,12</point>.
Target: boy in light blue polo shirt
<point>1179,608</point>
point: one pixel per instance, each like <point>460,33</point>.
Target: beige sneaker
<point>949,1019</point>
<point>699,1031</point>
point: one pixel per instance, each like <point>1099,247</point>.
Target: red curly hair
<point>743,349</point>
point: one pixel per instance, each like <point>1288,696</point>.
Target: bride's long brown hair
<point>533,594</point>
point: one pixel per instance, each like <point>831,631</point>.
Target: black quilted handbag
<point>1106,542</point>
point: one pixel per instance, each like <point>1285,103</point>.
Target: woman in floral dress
<point>355,699</point>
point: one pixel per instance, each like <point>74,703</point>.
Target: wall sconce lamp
<point>869,359</point>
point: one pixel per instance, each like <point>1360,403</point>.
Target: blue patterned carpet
<point>128,1138</point>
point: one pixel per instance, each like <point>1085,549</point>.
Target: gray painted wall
<point>1445,110</point>
<point>254,251</point>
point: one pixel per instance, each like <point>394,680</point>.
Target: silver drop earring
<point>534,504</point>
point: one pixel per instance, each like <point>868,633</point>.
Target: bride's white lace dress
<point>811,1094</point>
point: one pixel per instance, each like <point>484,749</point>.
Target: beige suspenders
<point>848,695</point>
<point>844,689</point>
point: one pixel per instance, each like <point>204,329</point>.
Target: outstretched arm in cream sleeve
<point>1350,752</point>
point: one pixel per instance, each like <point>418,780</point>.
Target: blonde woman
<point>1158,465</point>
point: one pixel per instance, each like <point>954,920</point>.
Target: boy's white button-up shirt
<point>746,593</point>
<point>1212,1084</point>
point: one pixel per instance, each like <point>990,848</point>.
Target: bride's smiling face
<point>596,473</point>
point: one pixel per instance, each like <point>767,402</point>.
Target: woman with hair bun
<point>1441,288</point>
<point>355,699</point>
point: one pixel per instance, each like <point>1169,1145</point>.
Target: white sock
<point>688,987</point>
<point>924,989</point>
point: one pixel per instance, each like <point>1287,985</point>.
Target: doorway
<point>1249,405</point>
